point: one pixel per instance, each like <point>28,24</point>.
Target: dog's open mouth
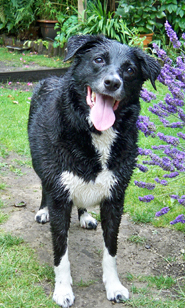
<point>102,109</point>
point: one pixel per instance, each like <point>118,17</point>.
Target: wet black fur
<point>60,135</point>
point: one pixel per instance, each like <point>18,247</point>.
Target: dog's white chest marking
<point>103,144</point>
<point>84,194</point>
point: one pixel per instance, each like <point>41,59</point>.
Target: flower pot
<point>148,38</point>
<point>47,28</point>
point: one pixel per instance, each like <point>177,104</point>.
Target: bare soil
<point>161,253</point>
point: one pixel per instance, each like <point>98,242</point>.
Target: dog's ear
<point>77,42</point>
<point>149,66</point>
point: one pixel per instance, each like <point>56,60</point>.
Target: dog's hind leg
<point>110,220</point>
<point>86,220</point>
<point>42,215</point>
<point>63,294</point>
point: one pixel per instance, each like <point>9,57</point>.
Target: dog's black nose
<point>112,83</point>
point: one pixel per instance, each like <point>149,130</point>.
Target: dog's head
<point>111,73</point>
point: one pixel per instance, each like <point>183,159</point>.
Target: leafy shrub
<point>149,16</point>
<point>96,20</point>
<point>16,15</point>
<point>175,14</point>
<point>140,14</point>
<point>68,26</point>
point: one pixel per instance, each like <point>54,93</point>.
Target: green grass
<point>160,282</point>
<point>17,59</point>
<point>22,278</point>
<point>136,239</point>
<point>2,186</point>
<point>14,117</point>
<point>85,284</point>
<point>156,291</point>
<point>3,216</point>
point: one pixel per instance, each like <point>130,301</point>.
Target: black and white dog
<point>83,140</point>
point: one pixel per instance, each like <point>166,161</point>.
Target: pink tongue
<point>102,114</point>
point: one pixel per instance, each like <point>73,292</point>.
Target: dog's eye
<point>130,71</point>
<point>99,60</point>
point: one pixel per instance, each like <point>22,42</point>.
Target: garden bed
<point>35,46</point>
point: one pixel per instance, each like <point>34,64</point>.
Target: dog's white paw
<point>42,216</point>
<point>63,295</point>
<point>87,221</point>
<point>116,292</point>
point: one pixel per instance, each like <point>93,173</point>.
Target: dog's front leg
<point>110,220</point>
<point>63,293</point>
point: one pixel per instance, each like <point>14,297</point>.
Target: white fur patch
<point>42,215</point>
<point>84,194</point>
<point>86,220</point>
<point>114,289</point>
<point>103,144</point>
<point>91,193</point>
<point>63,293</point>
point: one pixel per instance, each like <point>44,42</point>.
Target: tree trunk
<point>82,4</point>
<point>111,6</point>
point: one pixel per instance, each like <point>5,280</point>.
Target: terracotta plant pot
<point>47,28</point>
<point>148,38</point>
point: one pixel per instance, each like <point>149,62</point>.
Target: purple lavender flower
<point>176,154</point>
<point>142,168</point>
<point>160,147</point>
<point>172,116</point>
<point>174,197</point>
<point>176,125</point>
<point>164,121</point>
<point>160,53</point>
<point>183,36</point>
<point>177,164</point>
<point>163,211</point>
<point>172,35</point>
<point>181,114</point>
<point>144,151</point>
<point>182,201</point>
<point>181,135</point>
<point>162,182</point>
<point>158,111</point>
<point>165,163</point>
<point>141,184</point>
<point>169,139</point>
<point>149,162</point>
<point>147,96</point>
<point>145,125</point>
<point>179,218</point>
<point>147,198</point>
<point>173,101</point>
<point>171,175</point>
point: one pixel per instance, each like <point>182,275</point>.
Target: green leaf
<point>172,8</point>
<point>160,15</point>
